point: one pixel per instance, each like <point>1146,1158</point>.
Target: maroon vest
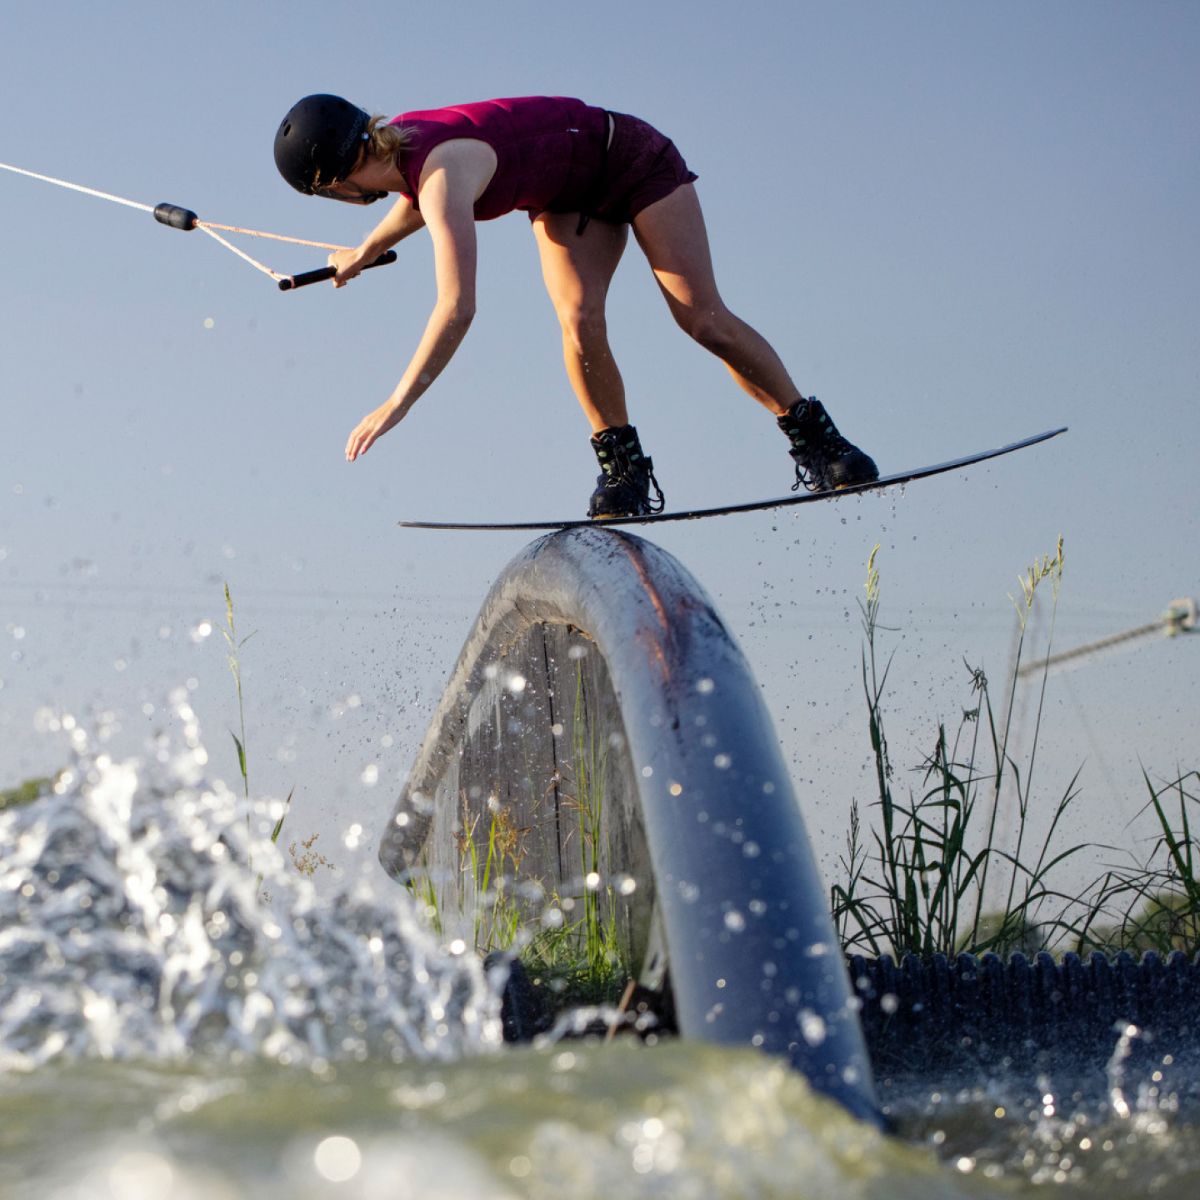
<point>549,150</point>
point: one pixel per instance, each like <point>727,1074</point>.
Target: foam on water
<point>146,914</point>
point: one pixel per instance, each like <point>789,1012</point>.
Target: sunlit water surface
<point>183,1015</point>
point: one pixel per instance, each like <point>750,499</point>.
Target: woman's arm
<point>454,176</point>
<point>401,220</point>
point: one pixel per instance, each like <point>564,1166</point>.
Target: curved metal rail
<point>602,741</point>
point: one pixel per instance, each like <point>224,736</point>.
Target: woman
<point>585,176</point>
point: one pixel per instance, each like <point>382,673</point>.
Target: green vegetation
<point>936,876</point>
<point>234,644</point>
<point>305,859</point>
<point>553,958</point>
<point>497,916</point>
<point>24,793</point>
<point>569,944</point>
<point>599,932</point>
<point>578,959</point>
<point>1154,905</point>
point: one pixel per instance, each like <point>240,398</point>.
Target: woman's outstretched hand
<point>372,427</point>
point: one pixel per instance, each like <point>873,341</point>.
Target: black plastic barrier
<point>931,1016</point>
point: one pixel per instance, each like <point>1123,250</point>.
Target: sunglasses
<point>330,192</point>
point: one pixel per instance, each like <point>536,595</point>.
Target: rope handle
<point>178,217</point>
<point>321,273</point>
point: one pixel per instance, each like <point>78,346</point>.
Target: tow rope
<point>178,217</point>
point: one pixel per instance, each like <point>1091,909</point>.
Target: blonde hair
<point>385,140</point>
<point>380,140</point>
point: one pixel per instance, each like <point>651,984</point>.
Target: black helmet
<point>319,141</point>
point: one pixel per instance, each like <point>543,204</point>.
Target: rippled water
<point>182,1015</point>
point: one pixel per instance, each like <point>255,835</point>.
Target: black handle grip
<point>175,216</point>
<point>323,273</point>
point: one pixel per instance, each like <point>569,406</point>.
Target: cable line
<point>1180,617</point>
<point>178,217</point>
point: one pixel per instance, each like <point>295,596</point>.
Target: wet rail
<point>603,747</point>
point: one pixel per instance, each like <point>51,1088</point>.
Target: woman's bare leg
<point>673,237</point>
<point>577,270</point>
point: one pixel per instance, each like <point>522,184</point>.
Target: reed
<point>922,881</point>
<point>233,646</point>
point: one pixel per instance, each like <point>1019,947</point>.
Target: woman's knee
<point>584,325</point>
<point>714,327</point>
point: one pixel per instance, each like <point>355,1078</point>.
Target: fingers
<point>369,430</point>
<point>343,262</point>
<point>357,442</point>
<point>360,442</point>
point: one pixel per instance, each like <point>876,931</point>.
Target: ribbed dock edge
<point>929,1015</point>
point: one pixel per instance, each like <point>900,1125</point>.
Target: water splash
<point>145,914</point>
<point>1146,1088</point>
<point>1115,1070</point>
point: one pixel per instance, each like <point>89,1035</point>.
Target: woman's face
<point>359,187</point>
<point>350,192</point>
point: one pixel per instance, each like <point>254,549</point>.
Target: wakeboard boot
<point>825,461</point>
<point>626,477</point>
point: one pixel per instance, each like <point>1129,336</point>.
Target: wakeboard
<point>696,514</point>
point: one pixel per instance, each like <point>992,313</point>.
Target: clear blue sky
<point>959,224</point>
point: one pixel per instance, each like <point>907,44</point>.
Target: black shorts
<point>638,167</point>
<point>642,166</point>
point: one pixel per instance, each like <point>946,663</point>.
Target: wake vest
<point>550,151</point>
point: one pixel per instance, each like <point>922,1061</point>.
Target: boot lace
<point>621,471</point>
<point>816,443</point>
<point>813,473</point>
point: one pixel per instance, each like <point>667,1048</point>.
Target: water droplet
<point>337,1159</point>
<point>812,1026</point>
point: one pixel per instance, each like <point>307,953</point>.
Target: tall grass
<point>1153,904</point>
<point>308,862</point>
<point>233,645</point>
<point>591,764</point>
<point>497,915</point>
<point>569,942</point>
<point>934,876</point>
